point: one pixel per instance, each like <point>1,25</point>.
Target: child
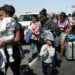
<point>8,35</point>
<point>47,53</point>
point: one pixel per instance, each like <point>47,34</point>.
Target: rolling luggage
<point>70,50</point>
<point>70,47</point>
<point>73,49</point>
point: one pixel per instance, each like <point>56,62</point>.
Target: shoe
<point>30,60</point>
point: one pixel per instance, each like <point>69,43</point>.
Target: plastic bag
<point>28,36</point>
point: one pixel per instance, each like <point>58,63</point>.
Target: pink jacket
<point>35,27</point>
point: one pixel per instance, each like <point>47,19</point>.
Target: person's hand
<point>1,42</point>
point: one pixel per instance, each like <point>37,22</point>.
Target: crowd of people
<point>48,32</point>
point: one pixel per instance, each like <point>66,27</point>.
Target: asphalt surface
<point>63,67</point>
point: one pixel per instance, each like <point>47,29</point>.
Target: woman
<point>14,65</point>
<point>47,24</point>
<point>62,23</point>
<point>34,27</point>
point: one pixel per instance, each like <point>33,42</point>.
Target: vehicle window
<point>25,18</point>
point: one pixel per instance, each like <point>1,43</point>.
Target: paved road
<point>64,67</point>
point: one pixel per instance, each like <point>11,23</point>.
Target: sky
<point>55,6</point>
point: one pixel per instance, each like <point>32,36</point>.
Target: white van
<point>25,19</point>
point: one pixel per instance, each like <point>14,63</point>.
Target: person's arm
<point>17,36</point>
<point>37,28</point>
<point>52,52</point>
<point>6,37</point>
<point>36,31</point>
<point>13,32</point>
<point>43,51</point>
<point>3,25</point>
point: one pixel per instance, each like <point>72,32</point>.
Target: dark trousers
<point>38,44</point>
<point>15,67</point>
<point>2,73</point>
<point>47,68</point>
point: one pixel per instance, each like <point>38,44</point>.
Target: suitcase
<point>73,49</point>
<point>68,51</point>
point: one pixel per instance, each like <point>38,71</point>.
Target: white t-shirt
<point>47,53</point>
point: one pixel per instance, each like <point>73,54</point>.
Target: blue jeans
<point>32,46</point>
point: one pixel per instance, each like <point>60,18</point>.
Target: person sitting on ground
<point>62,23</point>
